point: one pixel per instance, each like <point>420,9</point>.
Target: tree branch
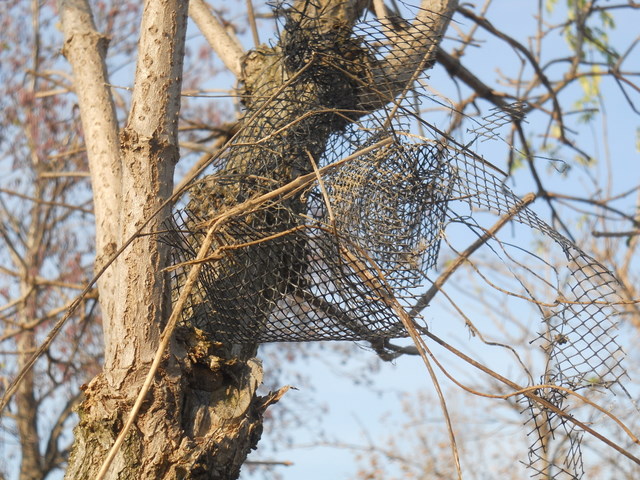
<point>85,49</point>
<point>414,51</point>
<point>227,48</point>
<point>150,152</point>
<point>425,298</point>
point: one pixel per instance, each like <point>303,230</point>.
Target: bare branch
<point>227,48</point>
<point>85,49</point>
<point>414,50</point>
<point>532,394</point>
<point>150,152</point>
<point>252,22</point>
<point>629,233</point>
<point>424,299</point>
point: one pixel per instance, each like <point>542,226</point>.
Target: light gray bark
<point>149,154</point>
<point>85,49</point>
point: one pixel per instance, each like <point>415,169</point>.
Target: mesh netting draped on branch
<point>308,264</point>
<point>312,98</point>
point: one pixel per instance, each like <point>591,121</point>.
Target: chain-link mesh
<point>306,264</point>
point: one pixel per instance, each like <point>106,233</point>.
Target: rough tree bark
<point>131,178</point>
<point>202,415</point>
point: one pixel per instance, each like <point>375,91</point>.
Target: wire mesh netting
<point>318,262</point>
<point>285,276</point>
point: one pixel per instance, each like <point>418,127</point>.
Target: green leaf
<point>591,84</point>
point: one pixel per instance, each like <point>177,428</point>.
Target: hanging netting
<point>285,276</point>
<point>317,262</point>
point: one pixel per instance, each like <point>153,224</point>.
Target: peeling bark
<point>200,420</point>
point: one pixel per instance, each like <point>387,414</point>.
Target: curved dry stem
<point>530,394</point>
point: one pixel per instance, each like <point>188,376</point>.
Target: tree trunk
<point>201,419</point>
<point>27,410</point>
<point>201,416</point>
<point>31,466</point>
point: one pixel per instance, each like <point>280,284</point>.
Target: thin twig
<point>532,396</point>
<point>426,297</point>
<point>252,22</point>
<point>630,233</point>
<point>45,202</point>
<point>378,283</point>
